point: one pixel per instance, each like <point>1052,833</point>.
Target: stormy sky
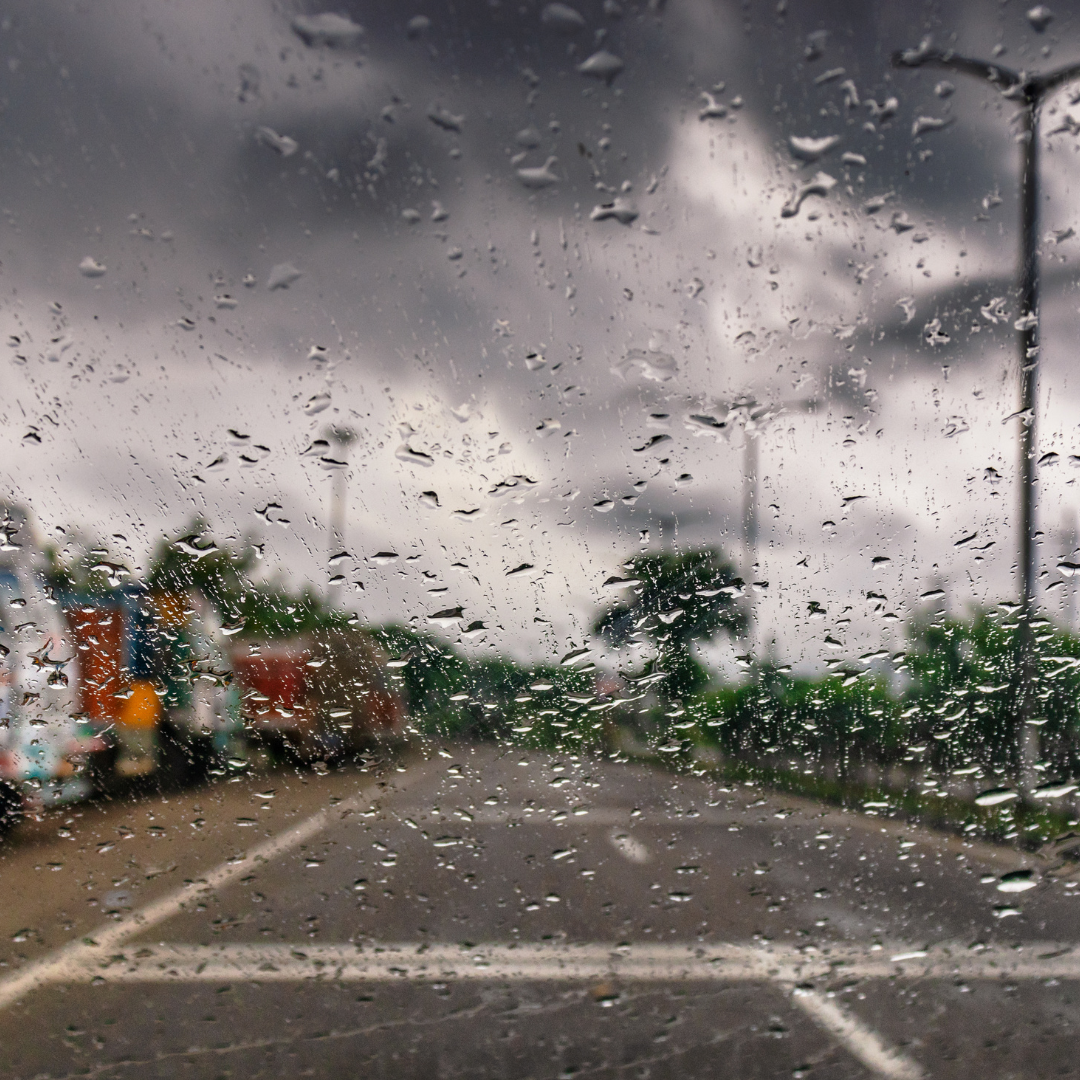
<point>222,237</point>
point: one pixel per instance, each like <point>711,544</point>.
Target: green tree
<point>967,686</point>
<point>675,600</point>
<point>194,560</point>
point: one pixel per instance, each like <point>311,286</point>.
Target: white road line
<point>568,814</point>
<point>542,962</point>
<point>595,962</point>
<point>65,963</point>
<point>861,1042</point>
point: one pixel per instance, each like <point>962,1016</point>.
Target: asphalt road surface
<point>482,912</point>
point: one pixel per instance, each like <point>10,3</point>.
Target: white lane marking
<point>568,814</point>
<point>629,847</point>
<point>65,964</point>
<point>533,962</point>
<point>861,1042</point>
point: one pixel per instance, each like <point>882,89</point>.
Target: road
<point>475,911</point>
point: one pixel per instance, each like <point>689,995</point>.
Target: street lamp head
<point>343,436</point>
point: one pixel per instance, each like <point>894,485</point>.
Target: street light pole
<point>757,416</point>
<point>342,438</point>
<point>1030,91</point>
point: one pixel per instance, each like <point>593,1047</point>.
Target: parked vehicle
<point>46,744</point>
<point>155,683</point>
<point>324,696</point>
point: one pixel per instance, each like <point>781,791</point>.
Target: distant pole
<point>750,499</point>
<point>1029,91</point>
<point>1068,609</point>
<point>342,438</point>
<point>757,416</point>
<point>750,524</point>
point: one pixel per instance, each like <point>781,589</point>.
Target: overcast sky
<point>502,338</point>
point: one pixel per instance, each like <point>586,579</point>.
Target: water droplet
<point>883,113</point>
<point>602,65</point>
<point>185,322</point>
<point>327,28</point>
<point>575,656</point>
<point>283,144</point>
<point>438,211</point>
<point>815,44</point>
<point>445,119</point>
<point>282,275</point>
<point>410,215</point>
<point>655,366</point>
<point>57,347</point>
<point>225,302</point>
<point>447,616</point>
<point>934,335</point>
<point>563,18</point>
<point>1054,791</point>
<point>807,148</point>
<point>414,457</point>
<point>621,210</point>
<point>417,25</point>
<point>317,403</point>
<point>820,184</point>
<point>995,797</point>
<point>712,109</point>
<point>430,499</point>
<point>652,443</point>
<point>541,176</point>
<point>1039,17</point>
<point>529,138</point>
<point>91,268</point>
<point>1017,881</point>
<point>629,847</point>
<point>604,506</point>
<point>927,123</point>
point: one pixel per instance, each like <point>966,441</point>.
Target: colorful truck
<point>323,696</point>
<point>46,745</point>
<point>155,681</point>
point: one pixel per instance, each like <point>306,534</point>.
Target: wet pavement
<point>475,911</point>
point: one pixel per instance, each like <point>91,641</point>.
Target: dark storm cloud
<point>108,114</point>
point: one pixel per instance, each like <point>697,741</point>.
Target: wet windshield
<point>538,539</point>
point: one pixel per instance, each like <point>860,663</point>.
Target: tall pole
<point>1029,744</point>
<point>750,524</point>
<point>1068,612</point>
<point>342,438</point>
<point>1030,91</point>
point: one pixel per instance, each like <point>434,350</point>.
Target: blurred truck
<point>155,683</point>
<point>46,745</point>
<point>320,697</point>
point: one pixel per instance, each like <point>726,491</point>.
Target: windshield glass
<point>538,539</point>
